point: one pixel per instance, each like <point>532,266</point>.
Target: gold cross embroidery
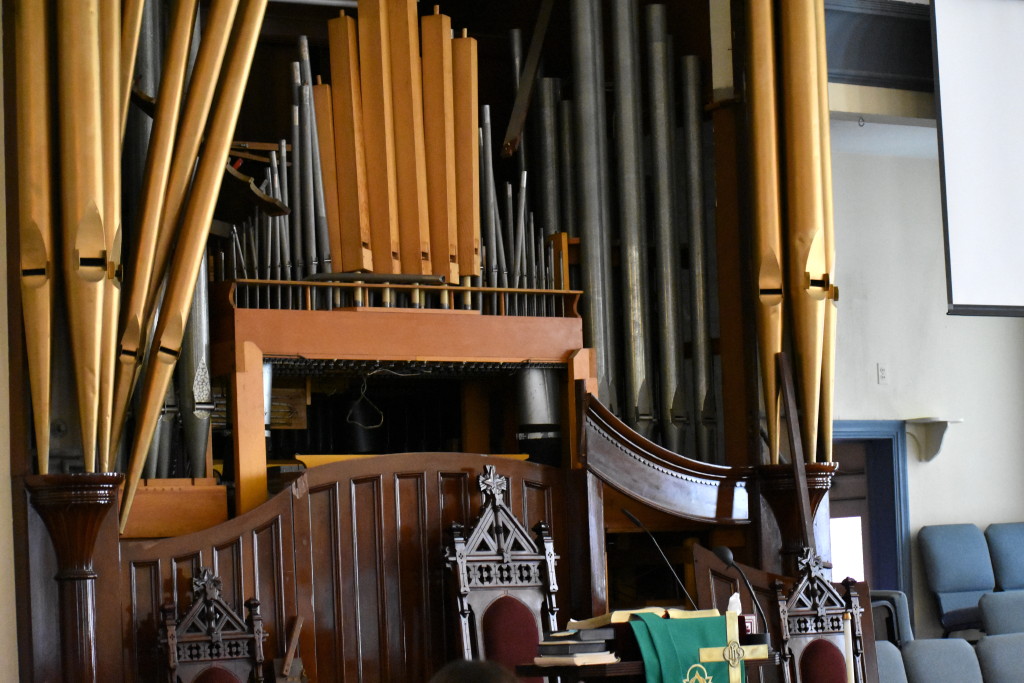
<point>733,653</point>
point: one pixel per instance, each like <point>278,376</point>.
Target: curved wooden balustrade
<point>664,480</point>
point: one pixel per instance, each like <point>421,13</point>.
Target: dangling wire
<point>364,397</point>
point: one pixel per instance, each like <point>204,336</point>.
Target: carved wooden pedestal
<point>778,487</point>
<point>73,507</point>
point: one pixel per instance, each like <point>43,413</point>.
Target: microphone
<point>725,555</point>
<point>657,545</point>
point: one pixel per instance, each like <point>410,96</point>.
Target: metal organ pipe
<point>693,178</point>
<point>637,399</point>
<point>672,401</point>
<point>590,178</point>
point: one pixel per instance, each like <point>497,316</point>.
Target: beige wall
<point>891,275</point>
<point>8,619</point>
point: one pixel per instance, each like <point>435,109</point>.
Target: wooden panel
<point>325,546</point>
<point>355,548</point>
<point>419,596</point>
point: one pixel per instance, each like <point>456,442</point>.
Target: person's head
<point>473,671</point>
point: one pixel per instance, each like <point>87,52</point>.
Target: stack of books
<point>577,647</point>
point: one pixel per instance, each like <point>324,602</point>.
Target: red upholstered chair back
<point>822,662</point>
<point>216,674</point>
<point>509,632</point>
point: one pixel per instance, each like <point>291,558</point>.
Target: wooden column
<point>73,507</point>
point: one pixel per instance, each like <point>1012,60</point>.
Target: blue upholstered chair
<point>959,571</point>
<point>890,663</point>
<point>933,660</point>
<point>999,657</point>
<point>891,616</point>
<point>1006,546</point>
<point>1002,612</point>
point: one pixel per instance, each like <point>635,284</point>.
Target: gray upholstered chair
<point>1006,546</point>
<point>959,571</point>
<point>890,663</point>
<point>999,657</point>
<point>1002,612</point>
<point>932,660</point>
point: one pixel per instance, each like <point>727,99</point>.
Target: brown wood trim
<point>656,476</point>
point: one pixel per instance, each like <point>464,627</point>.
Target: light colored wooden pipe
<point>349,151</point>
<point>761,94</point>
<point>379,134</point>
<point>439,139</point>
<point>191,247</point>
<point>35,206</point>
<point>467,153</point>
<point>805,212</point>
<point>323,114</point>
<point>410,152</point>
<point>84,236</point>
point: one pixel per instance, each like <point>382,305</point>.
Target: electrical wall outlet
<point>883,373</point>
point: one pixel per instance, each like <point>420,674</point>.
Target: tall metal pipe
<point>488,200</point>
<point>295,199</point>
<point>595,239</point>
<point>637,397</point>
<point>547,177</point>
<point>195,397</point>
<point>693,179</point>
<point>309,231</point>
<point>323,245</point>
<point>672,406</point>
<point>566,161</point>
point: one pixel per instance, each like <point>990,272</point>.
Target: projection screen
<point>979,67</point>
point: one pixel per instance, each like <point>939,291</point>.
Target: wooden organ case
<point>354,547</point>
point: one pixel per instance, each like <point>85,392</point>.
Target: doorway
<point>868,503</point>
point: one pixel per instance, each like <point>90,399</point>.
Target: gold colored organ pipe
<point>110,94</point>
<point>35,206</point>
<point>154,187</point>
<point>81,165</point>
<point>828,361</point>
<point>202,87</point>
<point>805,212</point>
<point>192,243</point>
<point>761,95</point>
<point>350,155</point>
<point>131,27</point>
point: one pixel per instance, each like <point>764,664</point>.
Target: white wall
<point>891,275</point>
<point>8,619</point>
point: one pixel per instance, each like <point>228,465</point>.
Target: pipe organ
<point>320,248</point>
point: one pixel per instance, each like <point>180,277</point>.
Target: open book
<point>621,616</point>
